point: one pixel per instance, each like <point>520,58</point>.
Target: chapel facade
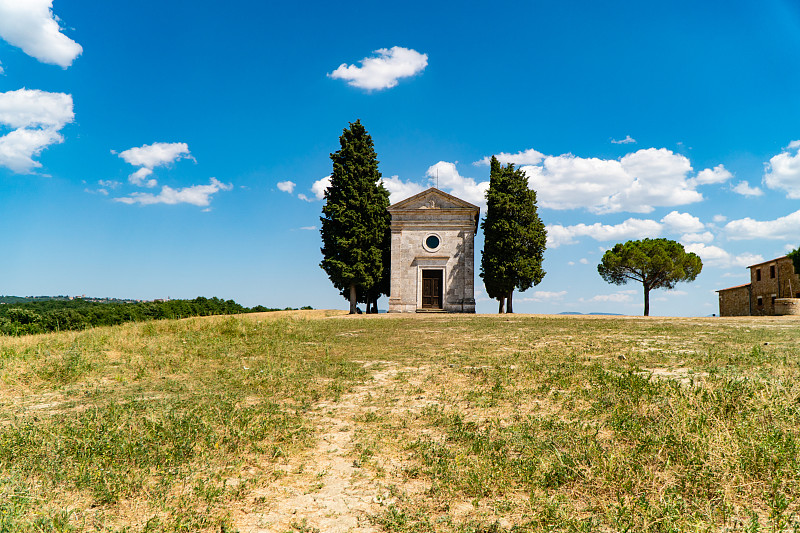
<point>433,254</point>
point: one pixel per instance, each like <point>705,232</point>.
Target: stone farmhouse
<point>433,254</point>
<point>774,289</point>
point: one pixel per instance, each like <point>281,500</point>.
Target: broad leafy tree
<point>355,222</point>
<point>514,235</point>
<point>794,255</point>
<point>655,263</point>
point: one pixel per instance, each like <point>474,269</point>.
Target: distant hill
<point>62,298</point>
<point>596,314</point>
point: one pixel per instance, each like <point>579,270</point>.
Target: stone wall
<point>787,306</point>
<point>772,280</point>
<point>452,256</point>
<point>734,301</point>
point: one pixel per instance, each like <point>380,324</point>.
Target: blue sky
<point>177,149</point>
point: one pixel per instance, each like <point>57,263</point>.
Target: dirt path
<point>324,489</point>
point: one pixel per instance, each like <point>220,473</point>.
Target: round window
<point>432,242</point>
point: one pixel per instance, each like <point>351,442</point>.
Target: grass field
<point>302,422</point>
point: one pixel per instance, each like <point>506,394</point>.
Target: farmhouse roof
<point>769,261</point>
<point>736,287</point>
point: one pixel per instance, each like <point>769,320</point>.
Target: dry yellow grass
<point>304,420</point>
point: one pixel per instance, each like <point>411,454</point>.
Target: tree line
<point>42,316</point>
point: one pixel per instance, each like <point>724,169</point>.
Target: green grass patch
<point>489,424</point>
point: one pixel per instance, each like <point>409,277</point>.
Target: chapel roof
<point>418,200</point>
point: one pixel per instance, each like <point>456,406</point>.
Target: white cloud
<point>305,198</point>
<point>717,257</point>
<point>544,296</point>
<point>745,189</point>
<point>633,228</point>
<point>150,156</point>
<point>659,179</point>
<point>638,182</point>
<point>383,70</point>
<point>138,178</point>
<point>705,237</point>
<point>156,154</point>
<point>450,180</point>
<point>665,296</point>
<point>26,108</point>
<point>719,219</point>
<point>101,190</point>
<point>526,157</point>
<point>31,26</point>
<point>308,228</point>
<point>36,117</point>
<point>627,140</point>
<point>199,195</point>
<point>584,261</point>
<point>111,184</point>
<point>104,186</point>
<point>569,182</point>
<point>708,253</point>
<point>286,186</point>
<point>617,297</point>
<point>747,259</point>
<point>319,187</point>
<point>18,148</point>
<point>718,174</point>
<point>682,222</point>
<point>780,228</point>
<point>399,189</point>
<point>783,171</point>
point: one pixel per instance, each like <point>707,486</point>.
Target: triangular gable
<point>432,198</point>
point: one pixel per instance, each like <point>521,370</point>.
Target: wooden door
<point>431,289</point>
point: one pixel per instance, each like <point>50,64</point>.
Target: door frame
<point>443,288</point>
<point>436,274</point>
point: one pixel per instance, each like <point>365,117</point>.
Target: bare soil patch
<point>325,488</point>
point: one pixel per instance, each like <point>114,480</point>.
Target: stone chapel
<point>433,254</point>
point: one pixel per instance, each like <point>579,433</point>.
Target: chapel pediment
<point>431,199</point>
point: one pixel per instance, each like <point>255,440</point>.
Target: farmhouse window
<point>759,301</point>
<point>758,274</point>
<point>772,271</point>
<point>773,299</point>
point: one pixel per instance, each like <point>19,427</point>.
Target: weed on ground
<point>456,424</point>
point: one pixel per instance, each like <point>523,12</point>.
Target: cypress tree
<point>355,222</point>
<point>514,235</point>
